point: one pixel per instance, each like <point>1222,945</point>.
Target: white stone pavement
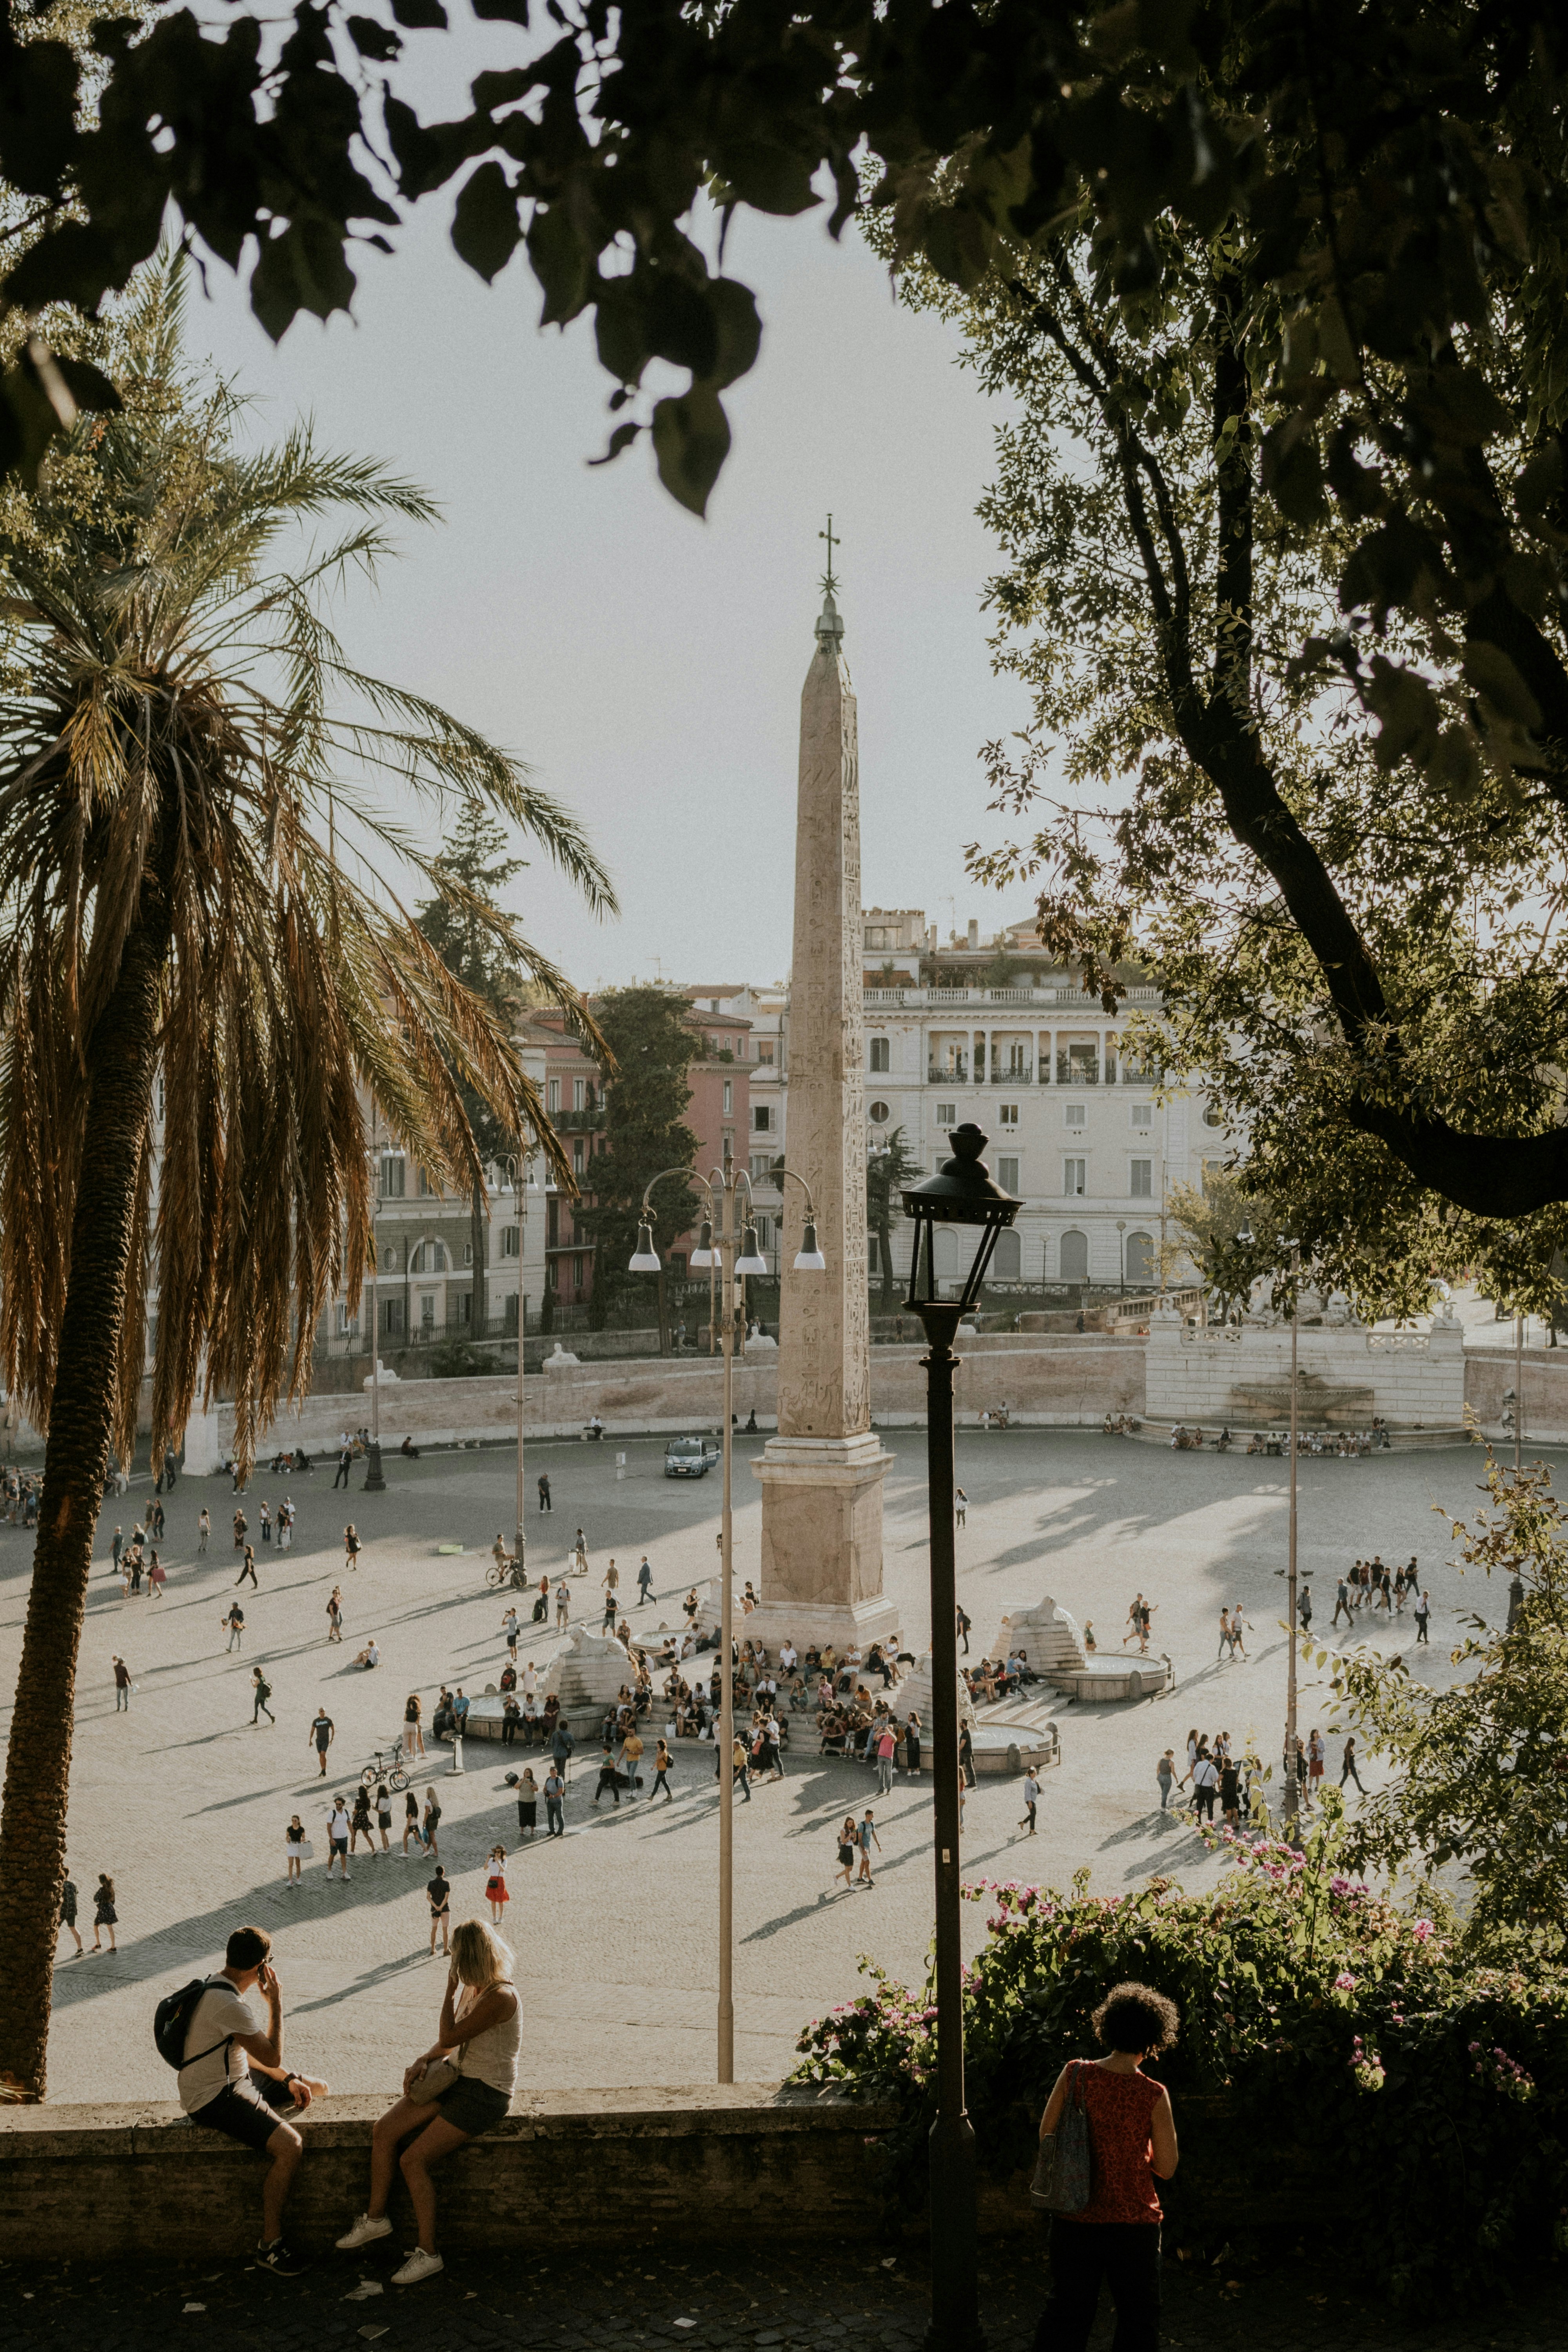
<point>185,1803</point>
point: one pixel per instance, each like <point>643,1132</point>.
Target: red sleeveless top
<point>1120,2107</point>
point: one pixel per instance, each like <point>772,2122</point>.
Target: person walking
<point>360,1825</point>
<point>104,1913</point>
<point>335,1614</point>
<point>739,1767</point>
<point>1205,1785</point>
<point>662,1761</point>
<point>1348,1765</point>
<point>1341,1600</point>
<point>480,2032</point>
<point>1316,1754</point>
<point>1115,2238</point>
<point>1230,1791</point>
<point>965,1756</point>
<point>156,1577</point>
<point>235,1620</point>
<point>345,1463</point>
<point>320,1736</point>
<point>204,1528</point>
<point>438,1893</point>
<point>68,1916</point>
<point>866,1838</point>
<point>849,1847</point>
<point>1031,1798</point>
<point>561,1746</point>
<point>1165,1773</point>
<point>496,1894</point>
<point>554,1802</point>
<point>410,1821</point>
<point>240,1526</point>
<point>528,1804</point>
<point>562,1603</point>
<point>1226,1648</point>
<point>122,1687</point>
<point>248,1568</point>
<point>1304,1608</point>
<point>263,1691</point>
<point>352,1547</point>
<point>544,1501</point>
<point>1422,1616</point>
<point>913,1745</point>
<point>1238,1628</point>
<point>264,1519</point>
<point>412,1732</point>
<point>608,1776</point>
<point>631,1755</point>
<point>293,1851</point>
<point>1134,1621</point>
<point>960,1505</point>
<point>887,1746</point>
<point>965,1625</point>
<point>644,1580</point>
<point>432,1823</point>
<point>338,1827</point>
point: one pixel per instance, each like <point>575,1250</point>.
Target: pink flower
<point>1423,1931</point>
<point>1344,1981</point>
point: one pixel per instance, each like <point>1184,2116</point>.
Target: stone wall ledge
<point>711,2162</point>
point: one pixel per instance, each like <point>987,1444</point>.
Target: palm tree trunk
<point>118,1077</point>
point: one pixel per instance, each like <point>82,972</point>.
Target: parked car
<point>689,1457</point>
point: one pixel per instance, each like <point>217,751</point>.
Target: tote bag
<point>1063,2175</point>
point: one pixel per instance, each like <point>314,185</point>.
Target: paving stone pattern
<point>185,1801</point>
<point>855,2294</point>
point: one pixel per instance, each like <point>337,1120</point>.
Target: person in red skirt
<point>495,1884</point>
<point>1132,2136</point>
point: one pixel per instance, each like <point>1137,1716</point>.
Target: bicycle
<point>392,1772</point>
<point>509,1571</point>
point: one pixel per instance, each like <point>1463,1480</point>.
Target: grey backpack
<point>1063,2175</point>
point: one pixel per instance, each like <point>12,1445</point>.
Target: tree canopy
<point>649,1039</point>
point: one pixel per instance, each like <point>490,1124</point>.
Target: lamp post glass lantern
<point>730,1253</point>
<point>960,1194</point>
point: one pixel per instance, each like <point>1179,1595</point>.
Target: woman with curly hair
<point>1132,2141</point>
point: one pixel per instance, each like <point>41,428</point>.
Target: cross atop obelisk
<point>822,1475</point>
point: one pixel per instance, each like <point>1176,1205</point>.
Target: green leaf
<point>88,385</point>
<point>485,226</point>
<point>37,115</point>
<point>621,439</point>
<point>27,425</point>
<point>420,15</point>
<point>374,40</point>
<point>302,270</point>
<point>620,329</point>
<point>734,308</point>
<point>561,261</point>
<point>1494,679</point>
<point>681,326</point>
<point>691,441</point>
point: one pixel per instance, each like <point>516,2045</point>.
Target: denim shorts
<point>472,2106</point>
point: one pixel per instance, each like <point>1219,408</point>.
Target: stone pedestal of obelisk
<point>821,1567</point>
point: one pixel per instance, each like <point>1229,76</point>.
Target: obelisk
<point>821,1567</point>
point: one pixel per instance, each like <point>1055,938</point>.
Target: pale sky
<point>649,666</point>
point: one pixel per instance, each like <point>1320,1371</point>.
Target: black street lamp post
<point>960,1193</point>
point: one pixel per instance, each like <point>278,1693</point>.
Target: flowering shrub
<point>1328,2040</point>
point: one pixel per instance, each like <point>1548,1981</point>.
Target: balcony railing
<point>1012,1074</point>
<point>958,1075</point>
<point>577,1122</point>
<point>1046,1003</point>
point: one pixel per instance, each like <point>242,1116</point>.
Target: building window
<point>729,1097</point>
<point>394,1176</point>
<point>880,1051</point>
<point>423,1185</point>
<point>764,1232</point>
<point>389,1261</point>
<point>1075,1113</point>
<point>766,1051</point>
<point>577,1273</point>
<point>1142,1187</point>
<point>1212,1115</point>
<point>426,1311</point>
<point>554,1094</point>
<point>392,1318</point>
<point>1007,1114</point>
<point>509,1312</point>
<point>873,1255</point>
<point>879,1114</point>
<point>761,1118</point>
<point>1213,1170</point>
<point>579,1094</point>
<point>1073,1174</point>
<point>577,1157</point>
<point>1007,1261</point>
<point>509,1238</point>
<point>467,1253</point>
<point>761,1168</point>
<point>1139,1258</point>
<point>678,1265</point>
<point>1007,1174</point>
<point>346,1322</point>
<point>465,1307</point>
<point>947,1114</point>
<point>1143,1114</point>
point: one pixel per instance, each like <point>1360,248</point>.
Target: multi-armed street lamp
<point>734,1247</point>
<point>1290,1254</point>
<point>960,1193</point>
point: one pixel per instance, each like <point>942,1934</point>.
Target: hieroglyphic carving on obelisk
<point>822,1475</point>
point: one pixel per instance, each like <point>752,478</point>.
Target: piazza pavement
<point>185,1801</point>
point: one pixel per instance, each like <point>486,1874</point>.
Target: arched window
<point>1007,1262</point>
<point>1139,1259</point>
<point>1074,1256</point>
<point>946,1241</point>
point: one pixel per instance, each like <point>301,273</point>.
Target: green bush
<point>1339,2066</point>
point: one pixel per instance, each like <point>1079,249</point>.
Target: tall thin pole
<point>521,1323</point>
<point>375,1484</point>
<point>1518,1394</point>
<point>955,2294</point>
<point>1292,1782</point>
<point>726,1240</point>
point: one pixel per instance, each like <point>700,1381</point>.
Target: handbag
<point>1064,2172</point>
<point>436,2078</point>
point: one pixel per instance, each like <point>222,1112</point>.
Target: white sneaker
<point>368,2226</point>
<point>419,2265</point>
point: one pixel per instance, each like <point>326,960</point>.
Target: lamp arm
<point>787,1176</point>
<point>691,1177</point>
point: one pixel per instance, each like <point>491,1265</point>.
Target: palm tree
<point>185,752</point>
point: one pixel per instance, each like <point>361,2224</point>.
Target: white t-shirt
<point>338,1827</point>
<point>220,2012</point>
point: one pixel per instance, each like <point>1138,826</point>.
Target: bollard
<point>620,1465</point>
<point>457,1764</point>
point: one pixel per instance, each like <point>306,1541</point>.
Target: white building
<point>1001,1034</point>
